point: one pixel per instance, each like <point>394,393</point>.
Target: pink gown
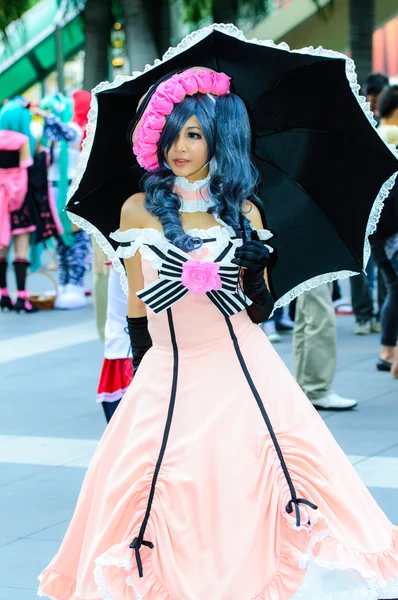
<point>189,466</point>
<point>13,180</point>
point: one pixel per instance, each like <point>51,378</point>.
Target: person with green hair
<point>17,222</point>
<point>64,137</point>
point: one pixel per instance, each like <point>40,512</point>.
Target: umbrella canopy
<point>323,166</point>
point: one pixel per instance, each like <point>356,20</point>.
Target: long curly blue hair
<point>233,176</point>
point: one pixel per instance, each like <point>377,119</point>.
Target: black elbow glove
<point>259,294</point>
<point>140,339</point>
<point>254,257</point>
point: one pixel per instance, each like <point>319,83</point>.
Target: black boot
<point>22,303</point>
<point>5,300</point>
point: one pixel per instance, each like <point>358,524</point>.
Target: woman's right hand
<point>253,256</point>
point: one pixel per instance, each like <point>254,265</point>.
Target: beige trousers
<point>314,342</point>
<point>100,287</point>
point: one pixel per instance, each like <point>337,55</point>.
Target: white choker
<point>183,183</point>
<point>192,206</point>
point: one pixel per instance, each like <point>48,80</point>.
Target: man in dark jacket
<point>385,241</point>
<point>361,291</point>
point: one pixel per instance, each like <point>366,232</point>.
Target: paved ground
<point>49,365</point>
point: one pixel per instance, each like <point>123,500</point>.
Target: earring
<point>212,166</point>
<point>166,165</point>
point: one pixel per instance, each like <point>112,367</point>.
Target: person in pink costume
<point>14,179</point>
<point>216,479</point>
<point>16,219</point>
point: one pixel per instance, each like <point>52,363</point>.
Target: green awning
<point>30,54</point>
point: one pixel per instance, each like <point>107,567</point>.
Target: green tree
<point>141,46</point>
<point>11,10</point>
<point>146,25</point>
<point>362,16</point>
<point>146,37</point>
<point>226,11</point>
<point>98,22</point>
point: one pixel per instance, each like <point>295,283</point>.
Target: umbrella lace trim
<point>189,41</point>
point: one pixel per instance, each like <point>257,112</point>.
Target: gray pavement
<point>49,367</point>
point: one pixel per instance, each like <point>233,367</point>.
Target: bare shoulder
<point>253,214</point>
<point>133,213</point>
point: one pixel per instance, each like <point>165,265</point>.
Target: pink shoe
<point>5,300</point>
<point>23,303</point>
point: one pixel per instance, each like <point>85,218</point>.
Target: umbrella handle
<point>242,228</point>
<point>244,238</point>
<point>253,235</point>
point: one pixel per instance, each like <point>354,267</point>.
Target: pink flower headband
<point>168,93</point>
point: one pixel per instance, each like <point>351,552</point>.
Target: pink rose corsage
<point>201,277</point>
<point>168,93</point>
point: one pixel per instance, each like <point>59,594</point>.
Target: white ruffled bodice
<point>207,271</point>
<point>215,240</point>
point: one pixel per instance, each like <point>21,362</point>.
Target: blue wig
<point>62,107</point>
<point>16,117</point>
<point>233,177</point>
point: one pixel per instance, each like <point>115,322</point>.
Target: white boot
<point>73,297</point>
<point>59,297</point>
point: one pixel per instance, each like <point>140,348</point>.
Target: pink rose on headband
<point>206,81</point>
<point>150,163</point>
<point>161,103</point>
<point>201,277</point>
<point>141,148</point>
<point>152,136</point>
<point>139,134</point>
<point>173,89</point>
<point>155,121</point>
<point>147,161</point>
<point>147,156</point>
<point>138,151</point>
<point>221,84</point>
<point>189,81</point>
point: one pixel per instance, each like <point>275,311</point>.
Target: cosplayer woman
<point>116,372</point>
<point>216,478</point>
<point>17,147</point>
<point>64,130</point>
